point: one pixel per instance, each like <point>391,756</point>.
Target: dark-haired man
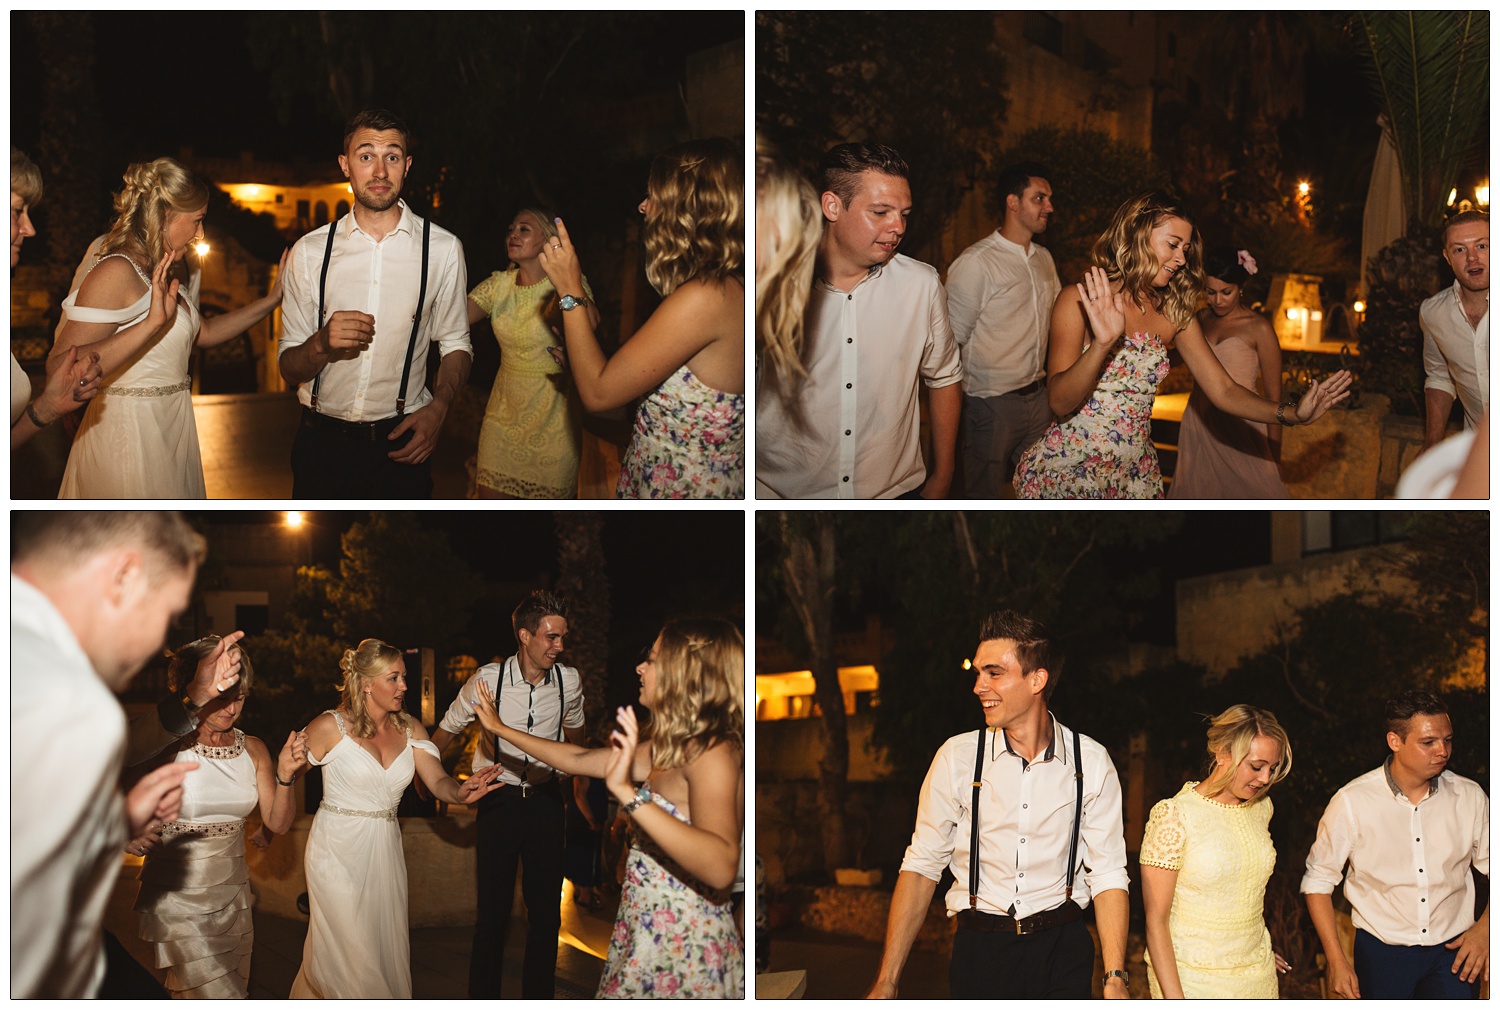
<point>1456,328</point>
<point>365,297</point>
<point>1409,832</point>
<point>524,821</point>
<point>1048,842</point>
<point>92,596</point>
<point>1000,296</point>
<point>877,324</point>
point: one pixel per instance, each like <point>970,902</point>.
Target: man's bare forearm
<point>301,363</point>
<point>909,904</point>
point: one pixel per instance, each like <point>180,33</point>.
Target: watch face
<point>569,302</point>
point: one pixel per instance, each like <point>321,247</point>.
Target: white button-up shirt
<point>382,279</point>
<point>67,831</point>
<point>1408,877</point>
<point>1025,824</point>
<point>1456,354</point>
<point>538,709</point>
<point>859,430</point>
<point>1000,298</point>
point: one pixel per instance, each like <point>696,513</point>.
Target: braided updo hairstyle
<point>151,189</point>
<point>361,665</point>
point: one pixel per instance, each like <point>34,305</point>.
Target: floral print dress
<point>1104,450</point>
<point>689,442</point>
<point>674,938</point>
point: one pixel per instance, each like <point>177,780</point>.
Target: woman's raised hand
<point>1104,306</point>
<point>560,263</point>
<point>484,708</point>
<point>1322,395</point>
<point>293,759</point>
<point>481,783</point>
<point>163,295</point>
<point>622,744</point>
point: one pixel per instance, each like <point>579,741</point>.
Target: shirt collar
<point>513,672</point>
<point>1047,755</point>
<point>1433,784</point>
<point>403,225</point>
<point>1026,251</point>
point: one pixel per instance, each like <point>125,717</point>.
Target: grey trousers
<point>997,430</point>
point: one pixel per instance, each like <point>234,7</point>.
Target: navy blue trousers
<point>1390,972</point>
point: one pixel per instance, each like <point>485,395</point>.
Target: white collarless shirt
<point>858,434</point>
<point>1000,298</point>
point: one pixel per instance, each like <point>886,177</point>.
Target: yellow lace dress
<point>529,442</point>
<point>1223,857</point>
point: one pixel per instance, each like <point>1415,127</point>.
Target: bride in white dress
<point>358,944</point>
<point>137,308</point>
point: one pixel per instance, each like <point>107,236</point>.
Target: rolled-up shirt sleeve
<point>940,360</point>
<point>1433,362</point>
<point>1482,839</point>
<point>931,847</point>
<point>1102,835</point>
<point>461,712</point>
<point>299,304</point>
<point>450,311</point>
<point>1331,849</point>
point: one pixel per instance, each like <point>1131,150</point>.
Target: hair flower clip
<point>1247,261</point>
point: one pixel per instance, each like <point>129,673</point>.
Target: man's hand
<point>155,800</point>
<point>937,485</point>
<point>217,672</point>
<point>1473,946</point>
<point>1341,979</point>
<point>425,424</point>
<point>1115,988</point>
<point>882,990</point>
<point>346,336</point>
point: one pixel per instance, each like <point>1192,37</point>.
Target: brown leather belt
<point>987,922</point>
<point>1028,389</point>
<point>353,431</point>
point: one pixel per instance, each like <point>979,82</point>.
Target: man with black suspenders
<point>364,299</point>
<point>1049,839</point>
<point>523,821</point>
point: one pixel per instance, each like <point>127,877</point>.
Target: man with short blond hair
<point>1456,329</point>
<point>92,596</point>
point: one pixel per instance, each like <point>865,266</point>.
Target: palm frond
<point>1429,72</point>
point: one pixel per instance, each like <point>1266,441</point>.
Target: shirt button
<point>848,432</point>
<point>848,385</point>
<point>1023,841</point>
<point>1025,806</point>
<point>848,340</point>
<point>846,480</point>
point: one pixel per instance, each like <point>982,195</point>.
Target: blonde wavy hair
<point>697,229</point>
<point>1124,253</point>
<point>700,690</point>
<point>362,664</point>
<point>25,178</point>
<point>152,188</point>
<point>793,225</point>
<point>1233,730</point>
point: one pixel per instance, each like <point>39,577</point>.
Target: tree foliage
<point>1402,276</point>
<point>1429,72</point>
<point>933,87</point>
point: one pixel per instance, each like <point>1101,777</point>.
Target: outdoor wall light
<point>1482,194</point>
<point>201,249</point>
<point>294,520</point>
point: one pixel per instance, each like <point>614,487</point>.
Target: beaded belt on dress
<point>385,815</point>
<point>182,386</point>
<point>213,829</point>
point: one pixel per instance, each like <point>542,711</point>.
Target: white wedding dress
<point>138,438</point>
<point>358,944</point>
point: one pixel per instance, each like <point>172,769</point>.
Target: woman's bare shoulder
<point>113,284</point>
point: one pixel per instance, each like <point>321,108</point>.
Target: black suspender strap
<point>333,228</point>
<point>416,319</point>
<point>974,824</point>
<point>1077,814</point>
<point>974,820</point>
<point>562,706</point>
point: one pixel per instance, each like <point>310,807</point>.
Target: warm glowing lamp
<point>201,248</point>
<point>294,520</point>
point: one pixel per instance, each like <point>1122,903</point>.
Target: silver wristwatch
<point>1123,976</point>
<point>568,302</point>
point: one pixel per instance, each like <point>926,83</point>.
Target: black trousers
<point>528,829</point>
<point>1053,964</point>
<point>124,976</point>
<point>326,464</point>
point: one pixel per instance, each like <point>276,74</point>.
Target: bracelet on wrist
<point>36,418</point>
<point>1281,414</point>
<point>276,774</point>
<point>642,797</point>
